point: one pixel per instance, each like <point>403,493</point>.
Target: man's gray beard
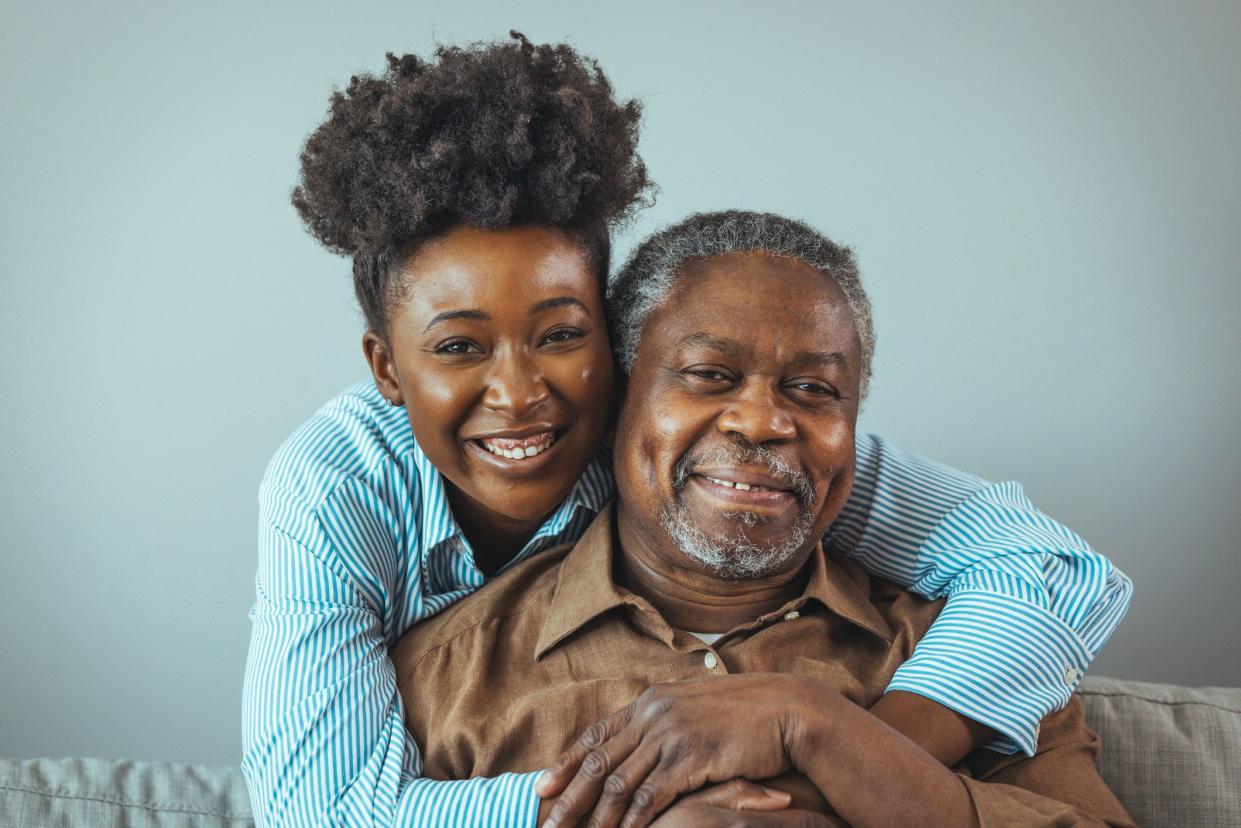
<point>733,555</point>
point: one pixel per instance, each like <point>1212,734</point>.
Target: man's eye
<point>709,374</point>
<point>458,346</point>
<point>562,335</point>
<point>816,389</point>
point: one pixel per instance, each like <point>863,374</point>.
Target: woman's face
<point>501,357</point>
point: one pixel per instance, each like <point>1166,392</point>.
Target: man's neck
<point>692,599</point>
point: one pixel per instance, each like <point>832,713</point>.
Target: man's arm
<point>324,738</point>
<point>1029,602</point>
<point>872,775</point>
<point>679,737</point>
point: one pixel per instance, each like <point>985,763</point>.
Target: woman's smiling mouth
<point>512,448</point>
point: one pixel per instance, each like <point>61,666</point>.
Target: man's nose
<point>515,386</point>
<point>758,412</point>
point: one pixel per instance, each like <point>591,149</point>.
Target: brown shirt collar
<point>585,589</point>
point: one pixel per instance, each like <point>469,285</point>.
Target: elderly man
<point>734,452</point>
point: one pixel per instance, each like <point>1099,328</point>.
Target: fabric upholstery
<point>102,793</point>
<point>1171,754</point>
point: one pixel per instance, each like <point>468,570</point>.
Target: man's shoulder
<point>519,596</point>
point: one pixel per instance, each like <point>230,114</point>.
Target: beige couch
<point>1172,755</point>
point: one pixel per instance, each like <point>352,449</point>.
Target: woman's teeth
<point>519,449</point>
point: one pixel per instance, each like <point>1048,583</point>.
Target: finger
<point>562,771</point>
<point>785,819</point>
<point>618,788</point>
<point>739,795</point>
<point>679,817</point>
<point>582,792</point>
<point>659,791</point>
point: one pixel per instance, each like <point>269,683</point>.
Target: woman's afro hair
<point>491,134</point>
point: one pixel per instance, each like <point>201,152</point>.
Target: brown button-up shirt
<point>507,678</point>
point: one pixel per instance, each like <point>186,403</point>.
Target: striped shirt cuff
<point>1003,662</point>
<point>505,801</point>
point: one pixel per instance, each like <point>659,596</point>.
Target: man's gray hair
<point>646,280</point>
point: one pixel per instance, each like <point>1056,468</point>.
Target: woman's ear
<point>379,358</point>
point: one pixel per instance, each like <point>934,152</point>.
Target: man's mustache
<point>743,453</point>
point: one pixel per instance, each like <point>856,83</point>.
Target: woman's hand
<point>674,739</point>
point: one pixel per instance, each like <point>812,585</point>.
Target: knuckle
<point>595,764</point>
<point>644,798</point>
<point>673,752</point>
<point>659,707</point>
<point>616,786</point>
<point>594,735</point>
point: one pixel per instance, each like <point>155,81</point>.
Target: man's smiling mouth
<point>745,487</point>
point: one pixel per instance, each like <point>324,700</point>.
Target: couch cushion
<point>101,793</point>
<point>1171,754</point>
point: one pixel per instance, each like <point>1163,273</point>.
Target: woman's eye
<point>458,346</point>
<point>562,335</point>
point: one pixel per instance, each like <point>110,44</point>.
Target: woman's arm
<point>1029,602</point>
<point>324,738</point>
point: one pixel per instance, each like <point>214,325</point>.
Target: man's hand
<point>737,795</point>
<point>672,740</point>
<point>727,805</point>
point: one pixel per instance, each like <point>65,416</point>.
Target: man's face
<point>735,443</point>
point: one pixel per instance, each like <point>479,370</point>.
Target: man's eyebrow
<point>730,347</point>
<point>733,348</point>
<point>447,316</point>
<point>835,358</point>
<point>559,302</point>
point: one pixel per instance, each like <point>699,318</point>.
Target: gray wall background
<point>1045,200</point>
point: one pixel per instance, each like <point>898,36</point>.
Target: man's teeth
<point>745,487</point>
<point>520,452</point>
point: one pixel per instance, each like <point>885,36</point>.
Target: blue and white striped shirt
<point>357,544</point>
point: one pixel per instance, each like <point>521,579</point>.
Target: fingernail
<point>781,795</point>
<point>541,783</point>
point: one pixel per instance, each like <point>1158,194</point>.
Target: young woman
<point>475,194</point>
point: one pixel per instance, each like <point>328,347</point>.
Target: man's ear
<point>379,358</point>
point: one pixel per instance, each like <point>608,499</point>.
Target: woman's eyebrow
<point>447,316</point>
<point>559,302</point>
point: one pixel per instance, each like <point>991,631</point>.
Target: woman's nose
<point>515,386</point>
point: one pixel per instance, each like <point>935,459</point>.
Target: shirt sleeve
<point>324,740</point>
<point>1029,602</point>
<point>1059,786</point>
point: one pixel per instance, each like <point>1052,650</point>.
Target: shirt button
<point>792,615</point>
<point>1070,675</point>
<point>710,660</point>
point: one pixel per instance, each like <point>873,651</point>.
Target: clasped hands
<point>683,754</point>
